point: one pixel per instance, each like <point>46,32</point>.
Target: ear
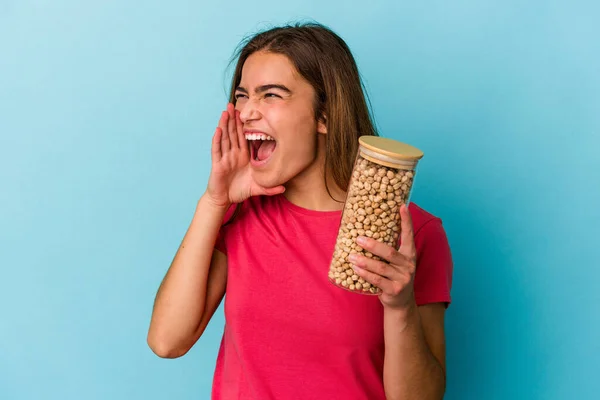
<point>322,125</point>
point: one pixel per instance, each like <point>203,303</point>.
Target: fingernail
<point>361,240</point>
<point>352,258</point>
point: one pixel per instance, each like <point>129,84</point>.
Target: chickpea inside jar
<point>381,181</point>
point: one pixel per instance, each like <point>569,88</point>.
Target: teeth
<point>258,136</point>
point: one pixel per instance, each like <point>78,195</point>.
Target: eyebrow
<point>264,88</point>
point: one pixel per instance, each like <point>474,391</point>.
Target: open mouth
<point>262,147</point>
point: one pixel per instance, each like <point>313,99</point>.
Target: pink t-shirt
<point>291,334</point>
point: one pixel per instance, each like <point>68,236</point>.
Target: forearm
<point>181,297</point>
<point>410,371</point>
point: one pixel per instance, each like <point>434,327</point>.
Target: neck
<point>313,195</point>
<point>308,189</point>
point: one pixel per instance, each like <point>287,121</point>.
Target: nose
<point>248,110</point>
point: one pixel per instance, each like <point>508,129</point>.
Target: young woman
<point>282,157</point>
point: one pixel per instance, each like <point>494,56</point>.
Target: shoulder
<point>421,218</point>
<point>429,233</point>
<point>433,276</point>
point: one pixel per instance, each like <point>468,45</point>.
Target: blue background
<point>106,114</point>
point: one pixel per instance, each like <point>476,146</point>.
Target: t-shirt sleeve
<point>221,242</point>
<point>433,276</point>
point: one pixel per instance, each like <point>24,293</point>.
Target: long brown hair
<point>325,61</point>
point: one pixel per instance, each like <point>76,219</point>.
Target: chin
<point>268,177</point>
<point>278,171</point>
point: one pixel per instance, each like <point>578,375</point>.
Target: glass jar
<point>381,181</point>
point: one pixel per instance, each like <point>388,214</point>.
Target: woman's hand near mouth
<point>230,179</point>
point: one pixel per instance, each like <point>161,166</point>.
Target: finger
<point>375,266</point>
<point>225,142</point>
<point>240,131</point>
<point>216,145</point>
<point>374,279</point>
<point>407,240</point>
<point>259,191</point>
<point>231,129</point>
<point>385,251</point>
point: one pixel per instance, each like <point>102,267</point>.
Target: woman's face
<point>277,111</point>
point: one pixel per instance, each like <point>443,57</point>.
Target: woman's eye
<point>239,96</point>
<point>272,95</point>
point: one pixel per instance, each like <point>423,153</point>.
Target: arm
<point>192,288</point>
<point>414,366</point>
<point>195,282</point>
